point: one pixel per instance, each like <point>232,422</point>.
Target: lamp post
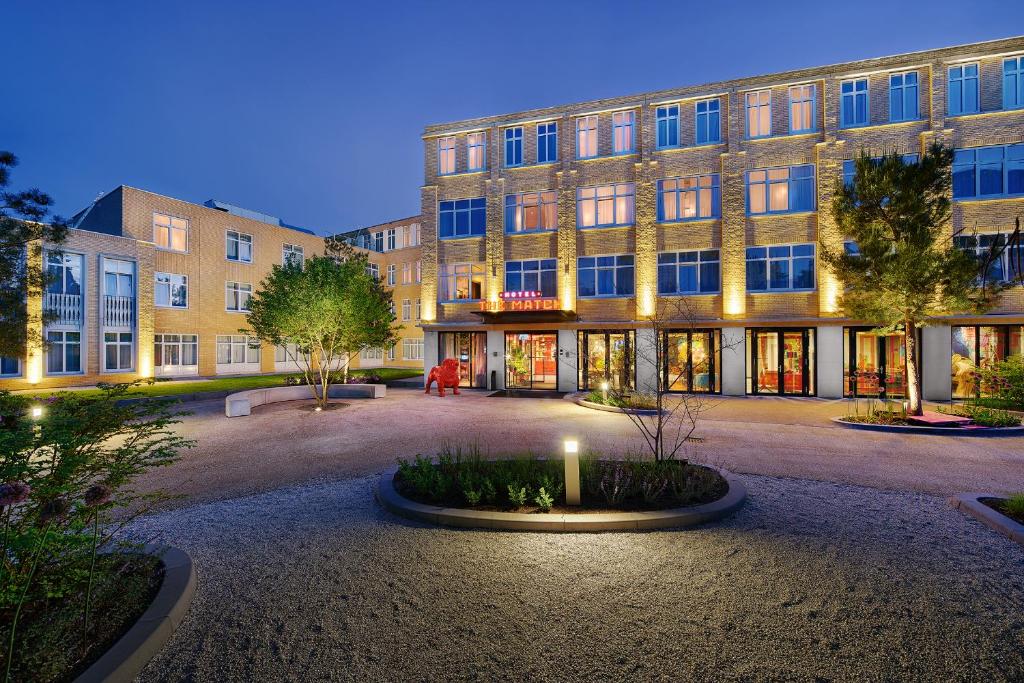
<point>572,472</point>
<point>604,391</point>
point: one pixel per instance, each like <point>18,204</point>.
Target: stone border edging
<point>613,409</point>
<point>970,504</point>
<point>394,502</point>
<point>931,431</point>
<point>132,651</point>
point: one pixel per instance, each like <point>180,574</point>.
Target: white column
<point>936,362</point>
<point>734,361</point>
<point>568,361</point>
<point>429,352</point>
<point>496,357</point>
<point>828,351</point>
<point>646,361</point>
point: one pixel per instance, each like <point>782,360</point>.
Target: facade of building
<point>395,257</point>
<point>550,236</point>
<point>148,285</point>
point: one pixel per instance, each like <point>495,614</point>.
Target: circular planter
<point>970,504</point>
<point>125,659</point>
<point>941,431</point>
<point>394,502</point>
<point>614,409</point>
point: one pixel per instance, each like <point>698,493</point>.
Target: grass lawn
<point>230,383</point>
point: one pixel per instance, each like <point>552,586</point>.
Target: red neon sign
<point>525,294</point>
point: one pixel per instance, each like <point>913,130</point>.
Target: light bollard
<point>604,391</point>
<point>572,472</point>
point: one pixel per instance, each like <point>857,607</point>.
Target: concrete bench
<point>241,403</point>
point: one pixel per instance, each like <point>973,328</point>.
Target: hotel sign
<point>528,301</point>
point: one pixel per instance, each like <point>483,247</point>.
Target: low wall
<point>241,403</point>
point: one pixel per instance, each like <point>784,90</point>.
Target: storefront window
<point>470,348</point>
<point>874,365</point>
<point>780,362</point>
<point>531,360</point>
<point>607,357</point>
<point>692,361</point>
<point>981,347</point>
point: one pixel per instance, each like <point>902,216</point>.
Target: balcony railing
<point>119,311</point>
<point>63,309</point>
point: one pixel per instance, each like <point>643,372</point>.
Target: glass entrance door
<point>531,360</point>
<point>470,348</point>
<point>781,362</point>
<point>875,364</point>
<point>606,357</point>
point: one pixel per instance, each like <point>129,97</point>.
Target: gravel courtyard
<point>809,581</point>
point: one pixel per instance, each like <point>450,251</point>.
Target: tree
<point>904,269</point>
<point>23,229</point>
<point>328,310</point>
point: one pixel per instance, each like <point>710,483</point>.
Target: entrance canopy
<point>513,317</point>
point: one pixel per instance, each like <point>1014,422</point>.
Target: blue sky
<point>312,111</point>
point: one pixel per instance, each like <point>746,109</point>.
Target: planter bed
<point>982,506</point>
<point>970,430</point>
<point>581,401</point>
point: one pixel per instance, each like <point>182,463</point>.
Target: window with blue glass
<point>667,123</point>
<point>963,89</point>
<point>780,190</point>
<point>605,275</point>
<point>531,211</point>
<point>462,218</point>
<point>535,275</point>
<point>850,167</point>
<point>9,367</point>
<point>514,146</point>
<point>904,104</point>
<point>996,171</point>
<point>780,268</point>
<point>708,121</point>
<point>691,198</point>
<point>689,272</point>
<point>547,142</point>
<point>853,103</point>
<point>1001,254</point>
<point>1013,83</point>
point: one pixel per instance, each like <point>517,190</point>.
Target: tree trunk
<point>914,406</point>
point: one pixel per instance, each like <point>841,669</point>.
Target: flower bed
<point>532,484</point>
<point>636,401</point>
<point>1012,507</point>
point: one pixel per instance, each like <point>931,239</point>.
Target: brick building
<point>151,285</point>
<point>550,234</point>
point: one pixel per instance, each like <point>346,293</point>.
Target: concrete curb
<point>941,431</point>
<point>614,409</point>
<point>126,658</point>
<point>970,504</point>
<point>733,500</point>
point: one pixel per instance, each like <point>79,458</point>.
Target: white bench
<point>241,403</point>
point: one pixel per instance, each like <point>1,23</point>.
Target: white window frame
<point>168,231</point>
<point>392,270</point>
<point>63,343</point>
<point>250,349</point>
<point>237,237</point>
<point>412,348</point>
<point>118,342</point>
<point>170,284</point>
<point>407,273</point>
<point>289,252</point>
<point>159,340</point>
<point>236,290</point>
<point>417,310</point>
<point>406,310</point>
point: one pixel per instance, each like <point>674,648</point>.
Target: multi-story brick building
<point>395,254</point>
<point>151,285</point>
<point>550,235</point>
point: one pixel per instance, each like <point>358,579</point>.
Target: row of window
<point>854,111</point>
<point>775,268</point>
<point>171,233</point>
<point>390,239</point>
<point>412,349</point>
<point>412,271</point>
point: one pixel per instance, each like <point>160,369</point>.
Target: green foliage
<point>24,221</point>
<point>1014,506</point>
<point>65,474</point>
<point>983,416</point>
<point>1004,382</point>
<point>517,495</point>
<point>543,500</point>
<point>330,308</point>
<point>635,400</point>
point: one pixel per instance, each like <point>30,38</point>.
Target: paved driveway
<point>286,444</point>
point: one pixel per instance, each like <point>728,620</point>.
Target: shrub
<point>517,495</point>
<point>543,500</point>
<point>1004,381</point>
<point>983,416</point>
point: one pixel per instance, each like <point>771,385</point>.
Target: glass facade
<point>531,360</point>
<point>692,361</point>
<point>471,350</point>
<point>780,361</point>
<point>980,347</point>
<point>874,365</point>
<point>607,356</point>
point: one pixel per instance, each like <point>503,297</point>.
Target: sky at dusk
<point>313,111</point>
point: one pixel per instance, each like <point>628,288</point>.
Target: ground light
<point>604,390</point>
<point>572,472</point>
<point>37,412</point>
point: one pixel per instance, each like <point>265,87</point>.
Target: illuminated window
<point>514,146</point>
<point>853,103</point>
<point>529,211</point>
<point>692,198</point>
<point>547,142</point>
<point>170,233</point>
<point>708,121</point>
<point>417,309</point>
<point>994,171</point>
<point>605,275</point>
<point>419,271</point>
<point>460,281</point>
<point>476,148</point>
<point>667,122</point>
<point>780,190</point>
<point>801,108</point>
<point>407,273</point>
<point>903,97</point>
<point>236,296</point>
<point>780,267</point>
<point>622,132</point>
<point>445,155</point>
<point>1013,83</point>
<point>170,290</point>
<point>462,218</point>
<point>759,113</point>
<point>689,272</point>
<point>238,246</point>
<point>535,275</point>
<point>963,89</point>
<point>586,137</point>
<point>604,206</point>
